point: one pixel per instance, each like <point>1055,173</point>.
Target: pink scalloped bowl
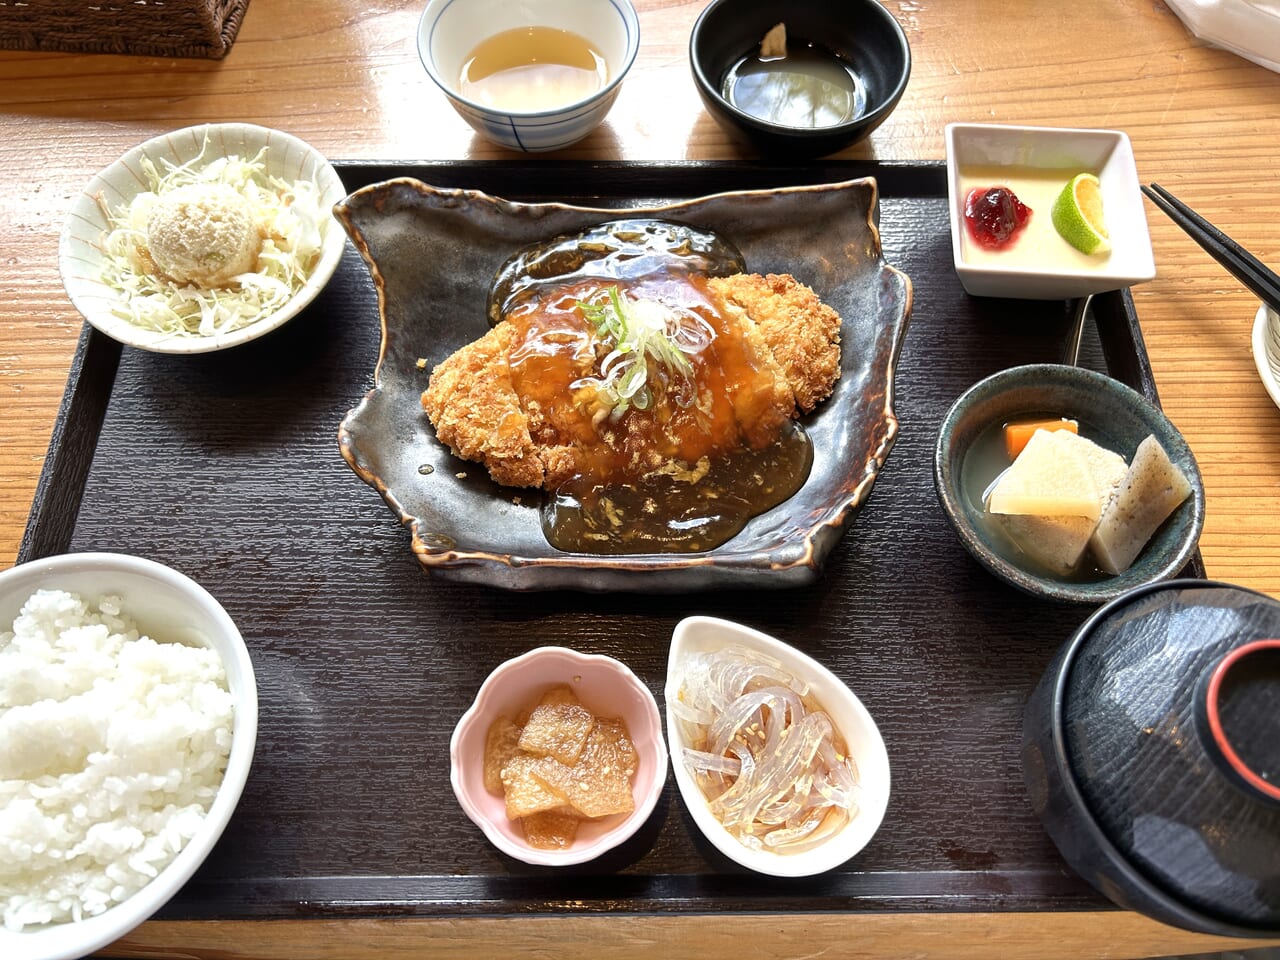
<point>607,688</point>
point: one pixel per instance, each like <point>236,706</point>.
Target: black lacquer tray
<point>226,466</point>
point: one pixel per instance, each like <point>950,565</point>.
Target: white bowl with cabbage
<point>203,238</point>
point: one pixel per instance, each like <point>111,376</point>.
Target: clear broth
<point>810,87</point>
<point>982,465</point>
<point>529,69</point>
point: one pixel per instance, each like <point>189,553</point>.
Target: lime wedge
<point>1077,215</point>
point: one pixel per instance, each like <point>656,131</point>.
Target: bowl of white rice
<point>128,718</point>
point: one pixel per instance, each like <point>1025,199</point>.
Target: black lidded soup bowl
<point>1151,752</point>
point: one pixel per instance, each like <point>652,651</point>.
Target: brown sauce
<point>664,514</point>
<point>712,449</point>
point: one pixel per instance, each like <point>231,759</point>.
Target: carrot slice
<point>1017,434</point>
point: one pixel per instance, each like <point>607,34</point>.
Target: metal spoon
<point>1071,357</point>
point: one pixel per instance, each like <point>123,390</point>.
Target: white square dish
<point>1047,268</point>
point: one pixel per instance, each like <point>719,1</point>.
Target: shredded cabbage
<point>288,216</point>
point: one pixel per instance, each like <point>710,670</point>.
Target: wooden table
<point>346,77</point>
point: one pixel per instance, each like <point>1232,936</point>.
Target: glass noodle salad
<point>767,757</point>
<point>211,246</point>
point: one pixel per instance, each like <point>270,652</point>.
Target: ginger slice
<point>501,744</point>
<point>613,733</point>
<point>558,727</point>
<point>549,795</point>
<point>551,829</point>
<point>599,784</point>
<point>526,793</point>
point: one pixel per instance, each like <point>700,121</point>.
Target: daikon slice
<point>1059,542</point>
<point>1050,478</point>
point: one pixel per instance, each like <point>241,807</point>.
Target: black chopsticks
<point>1243,265</point>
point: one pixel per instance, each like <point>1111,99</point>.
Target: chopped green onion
<point>637,331</point>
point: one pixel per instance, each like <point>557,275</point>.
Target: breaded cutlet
<point>802,332</point>
<point>477,409</point>
<point>474,407</point>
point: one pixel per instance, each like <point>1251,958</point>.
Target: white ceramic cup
<point>450,30</point>
<point>1266,349</point>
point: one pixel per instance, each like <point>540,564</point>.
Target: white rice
<point>112,747</point>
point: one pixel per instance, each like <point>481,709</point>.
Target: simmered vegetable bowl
<point>971,452</point>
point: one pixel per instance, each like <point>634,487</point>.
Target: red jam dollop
<point>995,216</point>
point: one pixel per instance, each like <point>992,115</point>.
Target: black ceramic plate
<point>433,254</point>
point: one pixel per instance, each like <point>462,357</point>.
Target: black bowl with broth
<point>968,457</point>
<point>852,59</point>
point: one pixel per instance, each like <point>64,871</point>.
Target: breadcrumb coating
<point>476,411</point>
<point>801,331</point>
<point>785,331</point>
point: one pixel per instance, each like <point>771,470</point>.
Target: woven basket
<point>156,28</point>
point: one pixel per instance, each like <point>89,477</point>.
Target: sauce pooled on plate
<point>643,396</point>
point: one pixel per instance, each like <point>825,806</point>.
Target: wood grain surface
<point>872,936</point>
<point>346,77</point>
